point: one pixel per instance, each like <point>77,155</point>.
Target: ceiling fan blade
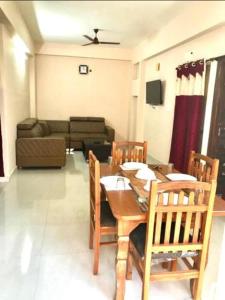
<point>109,43</point>
<point>88,37</point>
<point>88,44</point>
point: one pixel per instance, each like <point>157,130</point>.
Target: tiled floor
<point>44,252</point>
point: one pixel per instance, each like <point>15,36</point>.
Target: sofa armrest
<point>110,132</point>
<point>41,146</point>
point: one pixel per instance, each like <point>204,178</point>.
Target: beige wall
<point>158,122</point>
<point>11,12</point>
<point>62,92</point>
<point>14,99</point>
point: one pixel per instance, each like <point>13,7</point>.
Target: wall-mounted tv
<point>154,92</point>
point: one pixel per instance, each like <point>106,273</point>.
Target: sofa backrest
<point>87,124</point>
<point>29,128</point>
<point>58,126</point>
<point>44,125</point>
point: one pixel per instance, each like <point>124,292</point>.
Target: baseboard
<point>4,179</point>
<point>7,178</point>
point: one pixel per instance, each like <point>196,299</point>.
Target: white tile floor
<point>44,252</point>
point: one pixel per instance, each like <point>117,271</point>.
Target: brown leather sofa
<point>94,128</point>
<point>43,143</point>
<point>38,146</point>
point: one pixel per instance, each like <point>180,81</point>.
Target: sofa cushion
<point>66,136</point>
<point>58,126</point>
<point>27,123</point>
<point>45,127</point>
<point>82,136</point>
<point>138,237</point>
<point>107,218</point>
<point>96,119</point>
<point>79,126</point>
<point>35,131</point>
<point>78,118</point>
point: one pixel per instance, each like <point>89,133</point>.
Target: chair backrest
<point>95,189</point>
<point>127,151</point>
<point>203,167</point>
<point>179,218</point>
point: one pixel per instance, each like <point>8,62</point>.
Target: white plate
<point>134,165</point>
<point>179,176</point>
<point>115,182</point>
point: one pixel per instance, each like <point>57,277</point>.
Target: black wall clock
<point>83,69</point>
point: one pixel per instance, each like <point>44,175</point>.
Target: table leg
<point>124,229</point>
<point>121,265</point>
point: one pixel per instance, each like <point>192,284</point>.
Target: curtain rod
<point>216,58</point>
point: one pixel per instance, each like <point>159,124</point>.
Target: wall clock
<point>83,69</point>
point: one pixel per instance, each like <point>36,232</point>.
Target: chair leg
<point>196,284</point>
<point>193,283</point>
<point>145,290</point>
<point>146,280</point>
<point>96,252</point>
<point>173,265</point>
<point>129,266</point>
<point>91,237</point>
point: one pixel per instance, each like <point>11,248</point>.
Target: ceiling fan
<point>96,41</point>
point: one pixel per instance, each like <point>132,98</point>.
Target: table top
<point>124,203</point>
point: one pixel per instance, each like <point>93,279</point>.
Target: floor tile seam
<point>40,254</point>
<point>72,251</point>
<point>44,227</point>
<point>37,277</point>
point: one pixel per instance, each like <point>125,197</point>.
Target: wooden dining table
<point>129,210</point>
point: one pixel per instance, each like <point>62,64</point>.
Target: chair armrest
<point>110,132</point>
<point>44,146</point>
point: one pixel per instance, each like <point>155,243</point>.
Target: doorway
<point>1,153</point>
<point>216,145</point>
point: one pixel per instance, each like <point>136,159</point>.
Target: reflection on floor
<point>44,250</point>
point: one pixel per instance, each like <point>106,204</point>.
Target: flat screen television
<point>154,92</point>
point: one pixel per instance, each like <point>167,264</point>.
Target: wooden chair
<point>102,221</point>
<point>128,151</point>
<point>203,167</point>
<point>166,237</point>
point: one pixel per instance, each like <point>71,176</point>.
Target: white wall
<point>93,51</point>
<point>62,92</point>
<point>14,95</point>
<point>158,122</point>
<point>196,19</point>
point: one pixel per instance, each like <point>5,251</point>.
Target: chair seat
<point>138,236</point>
<point>107,218</point>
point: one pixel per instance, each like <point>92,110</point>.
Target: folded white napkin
<point>148,184</point>
<point>146,174</point>
<point>180,176</point>
<point>115,183</point>
<point>133,166</point>
<point>120,187</point>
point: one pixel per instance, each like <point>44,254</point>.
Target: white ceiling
<point>127,22</point>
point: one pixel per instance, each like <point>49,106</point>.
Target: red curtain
<point>187,116</point>
<point>186,129</point>
<point>1,154</point>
